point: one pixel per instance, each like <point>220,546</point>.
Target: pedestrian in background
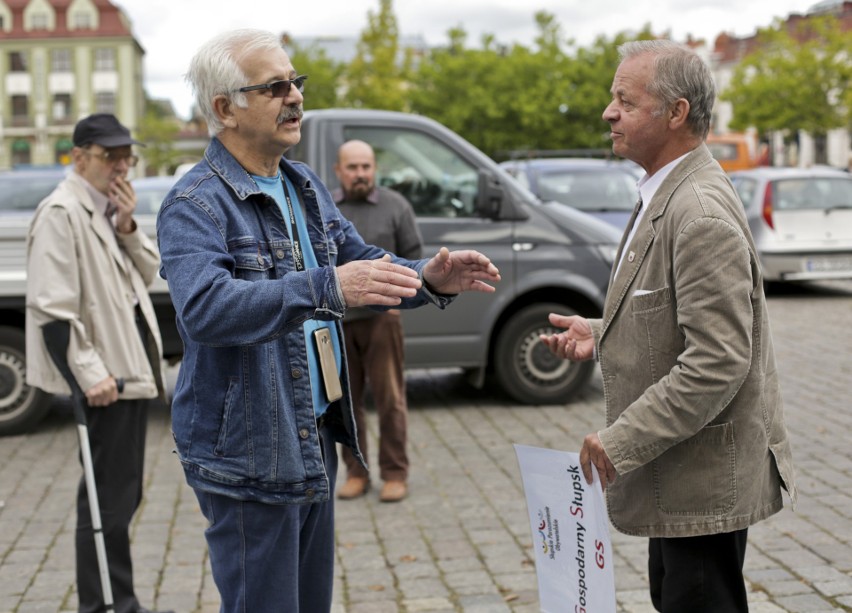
<point>374,340</point>
<point>695,449</point>
<point>90,265</point>
<point>261,268</point>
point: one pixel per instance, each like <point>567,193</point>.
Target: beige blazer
<point>77,272</point>
<point>695,426</point>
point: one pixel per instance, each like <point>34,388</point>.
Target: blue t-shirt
<point>274,186</point>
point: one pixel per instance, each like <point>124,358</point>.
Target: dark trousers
<point>273,558</point>
<point>699,574</point>
<point>117,439</point>
<point>374,351</point>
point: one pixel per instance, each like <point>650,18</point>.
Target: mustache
<point>291,112</point>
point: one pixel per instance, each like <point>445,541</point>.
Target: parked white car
<point>801,220</point>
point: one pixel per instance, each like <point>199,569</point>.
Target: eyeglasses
<point>279,89</point>
<point>114,157</point>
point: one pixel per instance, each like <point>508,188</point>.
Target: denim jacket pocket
<point>326,251</point>
<point>227,410</point>
<point>252,265</point>
<point>698,476</point>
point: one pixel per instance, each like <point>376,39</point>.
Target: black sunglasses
<point>279,89</point>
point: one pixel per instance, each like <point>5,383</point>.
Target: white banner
<point>570,532</point>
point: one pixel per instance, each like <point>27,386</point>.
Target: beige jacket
<point>76,272</point>
<point>695,426</point>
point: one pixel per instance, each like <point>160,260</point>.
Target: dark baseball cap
<point>102,129</point>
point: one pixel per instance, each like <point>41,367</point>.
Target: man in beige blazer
<point>695,449</point>
<point>90,265</point>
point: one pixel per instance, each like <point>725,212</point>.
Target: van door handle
<point>523,246</point>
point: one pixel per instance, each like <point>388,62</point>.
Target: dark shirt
<point>384,219</point>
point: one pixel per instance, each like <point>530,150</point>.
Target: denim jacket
<point>242,415</point>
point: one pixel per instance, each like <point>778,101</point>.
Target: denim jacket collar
<point>226,166</point>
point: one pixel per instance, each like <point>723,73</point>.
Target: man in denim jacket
<point>261,268</point>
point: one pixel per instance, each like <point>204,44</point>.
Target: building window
<point>81,21</point>
<point>60,60</point>
<point>105,102</point>
<point>38,21</point>
<point>17,61</point>
<point>62,108</point>
<point>20,110</point>
<point>20,152</point>
<point>104,60</point>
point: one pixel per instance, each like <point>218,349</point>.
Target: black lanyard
<point>298,256</point>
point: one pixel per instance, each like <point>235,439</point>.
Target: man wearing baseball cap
<point>90,265</point>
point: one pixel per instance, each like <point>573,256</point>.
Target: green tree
<point>324,75</point>
<point>509,99</point>
<point>158,130</point>
<point>794,81</point>
<point>377,77</point>
<point>467,90</point>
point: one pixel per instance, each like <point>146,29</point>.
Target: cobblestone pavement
<point>461,541</point>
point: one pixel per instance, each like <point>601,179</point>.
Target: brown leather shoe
<point>393,491</point>
<point>353,488</point>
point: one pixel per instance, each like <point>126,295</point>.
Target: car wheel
<point>21,406</point>
<point>525,367</point>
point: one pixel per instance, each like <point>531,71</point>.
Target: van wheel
<point>525,367</point>
<point>21,406</point>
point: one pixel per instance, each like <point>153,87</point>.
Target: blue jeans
<point>272,558</point>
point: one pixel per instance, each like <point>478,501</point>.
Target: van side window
<point>434,179</point>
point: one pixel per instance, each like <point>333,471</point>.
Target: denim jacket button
<point>260,259</point>
<point>304,433</point>
<point>296,373</point>
<point>310,493</point>
<point>280,254</point>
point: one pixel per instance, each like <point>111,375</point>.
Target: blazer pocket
<point>657,332</point>
<point>651,301</point>
<point>698,476</point>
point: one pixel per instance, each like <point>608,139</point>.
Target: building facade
<point>832,149</point>
<point>61,60</point>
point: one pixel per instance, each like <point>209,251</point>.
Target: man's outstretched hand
<point>460,271</point>
<point>369,282</point>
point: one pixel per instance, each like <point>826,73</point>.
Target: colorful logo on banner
<point>570,531</point>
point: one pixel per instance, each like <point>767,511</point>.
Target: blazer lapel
<point>620,282</point>
<point>100,225</point>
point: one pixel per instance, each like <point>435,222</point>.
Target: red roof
<point>111,22</point>
<point>729,48</point>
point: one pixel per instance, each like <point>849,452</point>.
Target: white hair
<point>215,70</point>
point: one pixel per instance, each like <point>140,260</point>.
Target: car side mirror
<point>489,196</point>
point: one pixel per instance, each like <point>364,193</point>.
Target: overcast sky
<point>171,30</point>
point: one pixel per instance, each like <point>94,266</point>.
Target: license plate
<point>836,264</point>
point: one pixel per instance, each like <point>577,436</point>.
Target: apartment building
<point>61,60</point>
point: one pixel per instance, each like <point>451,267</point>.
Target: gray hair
<point>678,73</point>
<point>215,70</point>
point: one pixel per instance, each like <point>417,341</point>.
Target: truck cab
<point>552,258</point>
